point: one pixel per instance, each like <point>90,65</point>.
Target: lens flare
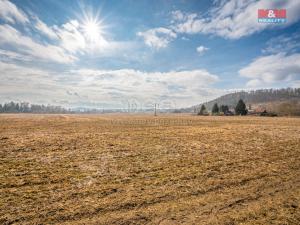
<point>92,30</point>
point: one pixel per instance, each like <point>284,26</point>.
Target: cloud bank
<point>272,70</point>
<point>106,87</point>
<point>231,19</point>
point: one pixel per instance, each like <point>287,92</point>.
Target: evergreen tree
<point>202,110</point>
<point>224,108</point>
<point>215,109</point>
<point>240,108</point>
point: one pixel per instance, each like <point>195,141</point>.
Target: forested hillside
<point>257,96</point>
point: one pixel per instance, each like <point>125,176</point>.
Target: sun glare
<point>92,30</point>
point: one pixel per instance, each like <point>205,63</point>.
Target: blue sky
<point>106,54</point>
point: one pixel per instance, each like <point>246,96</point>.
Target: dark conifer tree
<point>240,108</point>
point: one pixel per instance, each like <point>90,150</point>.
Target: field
<point>137,169</point>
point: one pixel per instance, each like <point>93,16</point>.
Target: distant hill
<point>270,98</point>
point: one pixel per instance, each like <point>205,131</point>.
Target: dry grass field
<point>135,169</point>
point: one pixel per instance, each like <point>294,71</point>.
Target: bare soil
<point>137,169</point>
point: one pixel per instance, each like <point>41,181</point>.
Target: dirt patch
<point>120,169</point>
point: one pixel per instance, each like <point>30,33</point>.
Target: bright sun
<point>92,30</point>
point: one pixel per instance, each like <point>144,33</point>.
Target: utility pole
<point>155,114</point>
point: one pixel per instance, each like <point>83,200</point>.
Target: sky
<point>115,53</point>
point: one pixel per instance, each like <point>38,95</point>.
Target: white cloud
<point>283,43</point>
<point>71,38</point>
<point>85,86</point>
<point>16,73</point>
<point>46,30</point>
<point>130,77</point>
<point>177,15</point>
<point>158,37</point>
<point>295,84</point>
<point>184,87</point>
<point>231,19</point>
<point>105,87</point>
<point>7,55</point>
<point>235,18</point>
<point>186,23</point>
<point>67,41</point>
<point>19,83</point>
<point>273,70</point>
<point>201,49</point>
<point>10,13</point>
<point>9,36</point>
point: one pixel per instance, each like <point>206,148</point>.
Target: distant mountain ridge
<point>254,97</point>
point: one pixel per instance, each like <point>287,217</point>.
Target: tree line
<point>240,109</point>
<point>257,96</point>
<point>24,107</point>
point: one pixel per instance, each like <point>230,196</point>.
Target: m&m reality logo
<point>272,15</point>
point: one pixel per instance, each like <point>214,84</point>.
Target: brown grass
<point>117,169</point>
